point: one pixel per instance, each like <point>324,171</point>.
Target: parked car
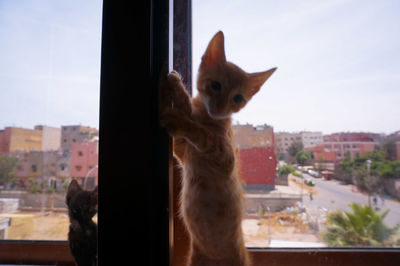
<point>313,173</point>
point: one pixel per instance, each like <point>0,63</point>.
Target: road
<point>332,195</point>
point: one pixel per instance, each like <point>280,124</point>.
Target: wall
<point>335,151</point>
<point>247,136</point>
<point>84,156</point>
<point>257,166</point>
<point>36,201</point>
<point>255,202</point>
<point>22,139</point>
<point>51,138</point>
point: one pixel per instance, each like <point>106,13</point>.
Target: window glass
<point>337,85</point>
<point>49,112</point>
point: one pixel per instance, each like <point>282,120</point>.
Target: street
<point>332,196</point>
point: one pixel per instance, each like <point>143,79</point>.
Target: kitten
<point>82,236</point>
<point>212,197</point>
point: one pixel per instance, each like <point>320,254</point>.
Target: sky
<point>338,61</point>
<point>49,62</point>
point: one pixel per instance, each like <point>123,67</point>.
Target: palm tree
<point>361,227</point>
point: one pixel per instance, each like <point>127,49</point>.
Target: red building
<point>84,162</point>
<point>353,136</point>
<point>335,151</point>
<point>257,167</point>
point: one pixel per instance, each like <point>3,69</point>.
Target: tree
<point>303,156</point>
<point>346,167</point>
<point>362,227</point>
<point>366,182</point>
<point>389,149</point>
<point>7,165</point>
<point>294,148</point>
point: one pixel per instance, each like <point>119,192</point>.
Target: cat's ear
<point>215,52</point>
<point>73,188</point>
<point>256,80</point>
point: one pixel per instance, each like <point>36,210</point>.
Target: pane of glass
<point>319,144</point>
<point>49,112</point>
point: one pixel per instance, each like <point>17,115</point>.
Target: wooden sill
<point>35,252</point>
<point>325,256</point>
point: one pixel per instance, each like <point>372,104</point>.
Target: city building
<point>51,138</point>
<point>84,162</point>
<point>311,139</point>
<point>72,134</point>
<point>257,168</point>
<point>14,139</point>
<point>335,151</point>
<point>283,140</point>
<point>247,136</point>
<point>355,136</point>
<point>256,156</point>
<point>41,138</point>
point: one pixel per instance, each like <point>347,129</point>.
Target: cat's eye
<point>238,98</point>
<point>216,86</point>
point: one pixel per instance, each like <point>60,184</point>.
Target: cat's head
<point>82,204</point>
<point>224,87</point>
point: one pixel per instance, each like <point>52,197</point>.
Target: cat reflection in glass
<point>212,197</point>
<point>82,236</point>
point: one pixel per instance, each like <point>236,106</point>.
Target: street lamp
<point>368,176</point>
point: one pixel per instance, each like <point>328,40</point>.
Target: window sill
<point>35,252</point>
<point>325,256</point>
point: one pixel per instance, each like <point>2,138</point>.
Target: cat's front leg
<point>179,96</point>
<point>179,125</point>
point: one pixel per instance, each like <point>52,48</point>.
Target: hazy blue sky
<point>338,61</point>
<point>49,62</point>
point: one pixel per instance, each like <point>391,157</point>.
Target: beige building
<point>51,138</point>
<point>283,140</point>
<point>15,139</point>
<point>311,139</point>
<point>248,136</point>
<point>41,138</point>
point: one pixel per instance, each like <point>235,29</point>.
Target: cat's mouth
<point>213,112</point>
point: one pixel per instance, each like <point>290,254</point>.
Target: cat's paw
<point>175,81</point>
<point>174,77</point>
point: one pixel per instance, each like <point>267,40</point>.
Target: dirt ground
<point>38,226</point>
<point>280,226</point>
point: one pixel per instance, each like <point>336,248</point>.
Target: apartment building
<point>335,151</point>
<point>14,139</point>
<point>355,136</point>
<point>84,161</point>
<point>248,136</point>
<point>283,140</point>
<point>41,138</point>
<point>51,138</point>
<point>256,156</point>
<point>77,133</point>
<point>311,139</point>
